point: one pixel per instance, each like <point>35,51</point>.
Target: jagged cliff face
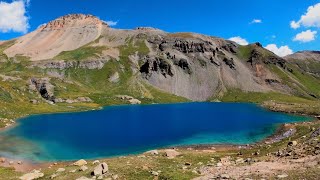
<point>190,65</point>
<point>198,67</point>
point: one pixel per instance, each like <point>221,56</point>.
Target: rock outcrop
<point>130,99</point>
<point>190,65</point>
<point>43,87</point>
<point>63,65</point>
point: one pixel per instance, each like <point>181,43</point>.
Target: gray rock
<point>95,162</point>
<point>155,173</point>
<point>83,168</point>
<point>224,176</point>
<point>292,143</point>
<point>61,170</point>
<point>81,162</point>
<point>281,176</point>
<point>53,176</point>
<point>32,175</point>
<point>114,78</point>
<point>100,169</point>
<point>171,153</point>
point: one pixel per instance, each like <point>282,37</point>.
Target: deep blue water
<point>122,130</point>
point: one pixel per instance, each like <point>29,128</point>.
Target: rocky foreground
<point>294,153</point>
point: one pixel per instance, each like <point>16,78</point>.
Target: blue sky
<point>265,21</point>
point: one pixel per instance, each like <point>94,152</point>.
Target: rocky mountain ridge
<point>85,51</point>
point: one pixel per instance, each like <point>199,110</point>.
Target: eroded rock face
<point>62,65</point>
<point>43,87</point>
<point>72,20</point>
<point>192,46</point>
<point>230,63</point>
<point>183,64</point>
<point>157,65</point>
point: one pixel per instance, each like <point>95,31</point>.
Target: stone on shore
<point>100,169</point>
<point>83,168</point>
<point>96,162</point>
<point>81,162</point>
<point>153,152</point>
<point>61,170</point>
<point>171,153</point>
<point>2,160</point>
<point>32,175</point>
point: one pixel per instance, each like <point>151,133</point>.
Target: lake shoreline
<point>26,165</point>
<point>22,165</point>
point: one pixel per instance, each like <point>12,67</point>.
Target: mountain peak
<point>73,20</point>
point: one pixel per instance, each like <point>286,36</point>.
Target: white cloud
<point>294,25</point>
<point>281,51</point>
<point>239,40</point>
<point>111,23</point>
<point>310,19</point>
<point>13,17</point>
<point>256,21</point>
<point>305,36</point>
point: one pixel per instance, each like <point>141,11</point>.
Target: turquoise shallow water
<point>123,130</point>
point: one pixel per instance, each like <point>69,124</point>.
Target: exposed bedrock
<point>43,87</point>
<point>61,64</point>
<point>156,65</point>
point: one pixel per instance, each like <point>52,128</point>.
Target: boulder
<point>292,143</point>
<point>224,176</point>
<point>2,160</point>
<point>171,153</point>
<point>155,173</point>
<point>83,168</point>
<point>32,175</point>
<point>53,176</point>
<point>100,169</point>
<point>114,78</point>
<point>95,162</point>
<point>281,176</point>
<point>81,162</point>
<point>134,101</point>
<point>72,171</point>
<point>61,170</point>
<point>153,152</point>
